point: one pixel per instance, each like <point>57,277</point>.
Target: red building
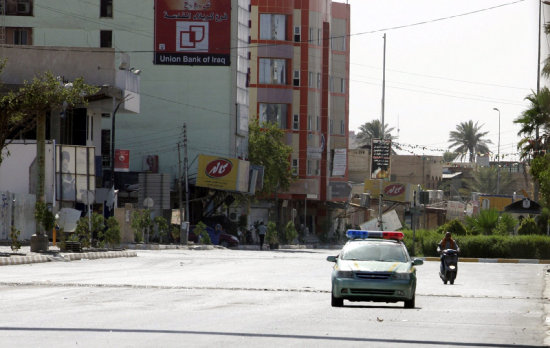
<point>299,79</point>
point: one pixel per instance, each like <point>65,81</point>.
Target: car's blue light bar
<point>360,234</point>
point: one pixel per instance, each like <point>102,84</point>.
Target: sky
<point>465,59</point>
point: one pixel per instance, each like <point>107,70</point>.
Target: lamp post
<point>498,152</point>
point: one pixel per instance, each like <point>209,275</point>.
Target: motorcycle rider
<point>447,243</point>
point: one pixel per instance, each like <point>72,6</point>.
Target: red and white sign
<point>122,160</point>
<point>394,189</point>
<point>193,32</point>
<point>218,168</point>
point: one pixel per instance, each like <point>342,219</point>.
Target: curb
<point>21,260</point>
<point>488,260</point>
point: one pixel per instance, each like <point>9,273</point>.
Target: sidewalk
<point>25,256</point>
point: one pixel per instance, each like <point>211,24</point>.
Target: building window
<point>318,128</point>
<point>318,80</point>
<point>296,79</point>
<point>342,86</point>
<point>338,43</point>
<point>106,8</point>
<point>273,113</point>
<point>106,38</point>
<point>17,7</point>
<point>294,168</point>
<point>331,129</point>
<point>342,127</point>
<point>272,71</point>
<point>19,36</point>
<point>296,122</point>
<point>297,35</point>
<point>310,39</point>
<point>272,27</point>
<point>310,79</point>
<point>312,167</point>
<point>309,123</point>
<point>319,36</point>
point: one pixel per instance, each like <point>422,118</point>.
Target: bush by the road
<point>482,246</point>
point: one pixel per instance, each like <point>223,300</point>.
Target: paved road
<point>252,298</point>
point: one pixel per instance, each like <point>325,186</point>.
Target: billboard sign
<point>192,32</point>
<point>392,191</point>
<point>220,173</point>
<point>380,162</point>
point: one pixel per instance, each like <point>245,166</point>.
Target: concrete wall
<point>16,171</point>
<point>17,209</point>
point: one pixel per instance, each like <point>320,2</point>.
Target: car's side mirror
<point>332,258</point>
<point>418,262</point>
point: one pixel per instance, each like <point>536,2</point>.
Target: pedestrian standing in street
<point>262,230</point>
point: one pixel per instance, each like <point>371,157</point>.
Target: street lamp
<point>498,152</point>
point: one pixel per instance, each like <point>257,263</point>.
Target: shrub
<point>271,235</point>
<point>14,236</point>
<point>141,222</point>
<point>290,232</point>
<point>111,236</point>
<point>162,227</point>
<point>506,224</point>
<point>454,226</point>
<point>202,235</point>
<point>484,222</point>
<point>82,233</point>
<point>528,226</point>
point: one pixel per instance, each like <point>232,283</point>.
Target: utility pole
<point>185,168</point>
<point>180,200</point>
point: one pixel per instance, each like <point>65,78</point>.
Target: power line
<point>437,19</point>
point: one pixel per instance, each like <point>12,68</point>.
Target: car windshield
<point>374,252</point>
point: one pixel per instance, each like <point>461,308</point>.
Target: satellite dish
<point>148,202</point>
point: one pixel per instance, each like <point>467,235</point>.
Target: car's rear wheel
<point>336,302</point>
<point>225,244</point>
<point>410,303</point>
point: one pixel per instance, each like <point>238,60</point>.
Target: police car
<point>374,266</point>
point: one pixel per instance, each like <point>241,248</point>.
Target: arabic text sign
<point>192,32</point>
<point>380,162</point>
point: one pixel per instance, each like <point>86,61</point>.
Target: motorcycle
<point>449,265</point>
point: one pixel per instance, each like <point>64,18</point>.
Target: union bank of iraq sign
<point>192,32</point>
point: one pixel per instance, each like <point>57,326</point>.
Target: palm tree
<point>532,121</point>
<point>485,179</point>
<point>467,139</point>
<point>373,130</point>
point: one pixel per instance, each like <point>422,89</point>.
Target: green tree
<point>467,139</point>
<point>485,180</point>
<point>27,107</point>
<point>373,130</point>
<point>532,121</point>
<point>540,170</point>
<point>266,147</point>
